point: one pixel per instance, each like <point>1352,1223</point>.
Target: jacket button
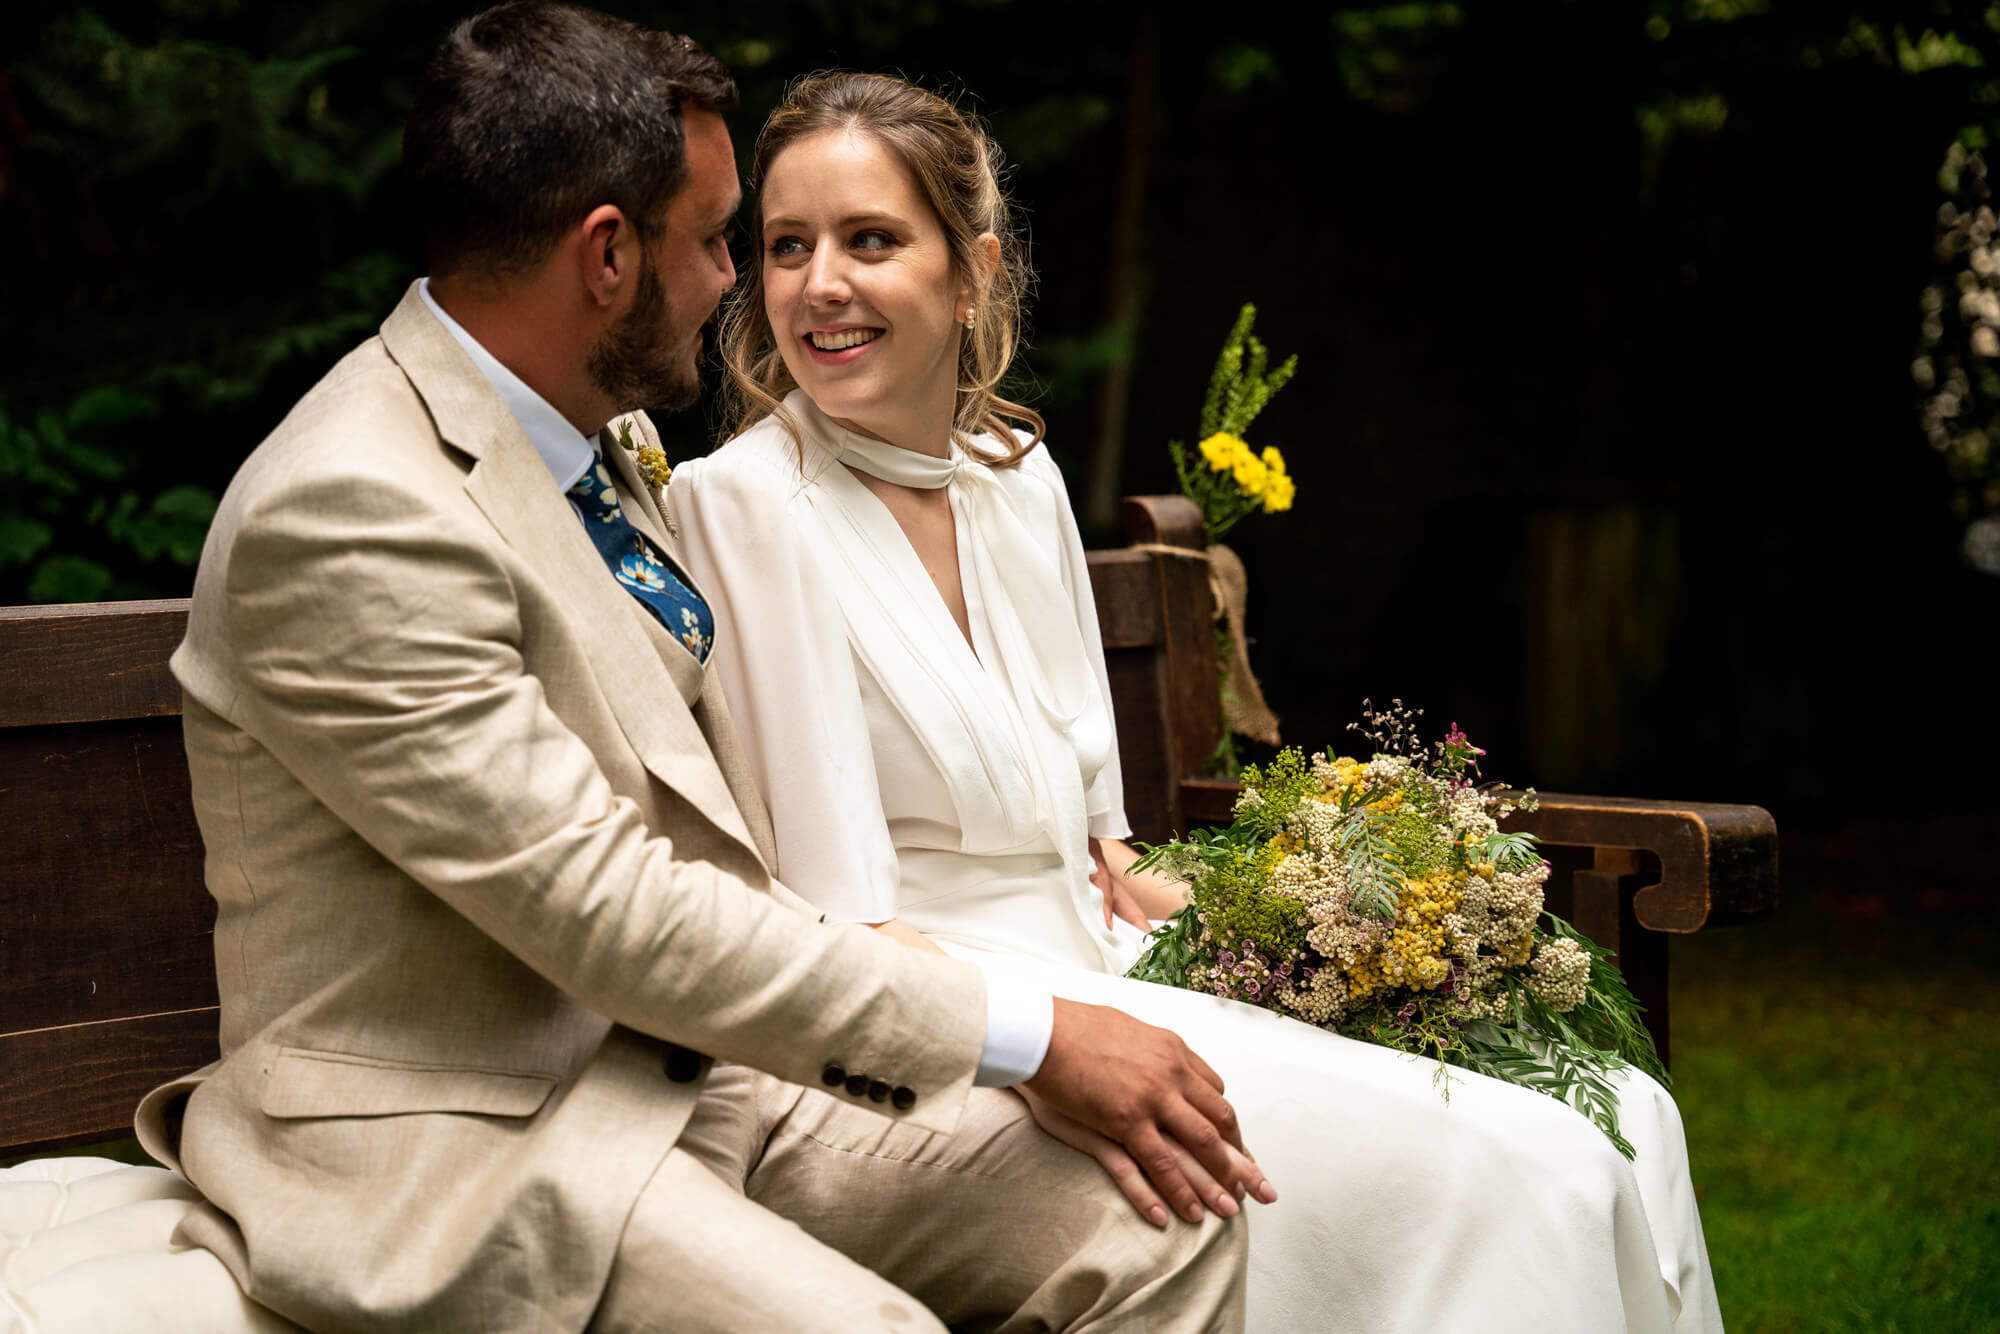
<point>682,1066</point>
<point>903,1099</point>
<point>857,1085</point>
<point>833,1075</point>
<point>878,1092</point>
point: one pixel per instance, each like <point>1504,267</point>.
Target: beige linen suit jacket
<point>490,873</point>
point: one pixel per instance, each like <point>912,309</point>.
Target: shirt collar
<point>566,450</point>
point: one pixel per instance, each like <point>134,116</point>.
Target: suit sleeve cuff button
<point>903,1099</point>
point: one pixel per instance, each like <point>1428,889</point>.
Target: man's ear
<point>607,253</point>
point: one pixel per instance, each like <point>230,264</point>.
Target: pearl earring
<point>971,317</point>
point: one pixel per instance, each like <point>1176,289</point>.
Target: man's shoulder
<point>364,388</point>
<point>363,418</point>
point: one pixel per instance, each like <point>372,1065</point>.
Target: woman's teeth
<point>834,342</point>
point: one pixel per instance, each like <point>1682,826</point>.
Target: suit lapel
<point>511,485</point>
<point>709,710</point>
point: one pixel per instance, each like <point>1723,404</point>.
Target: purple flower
<point>1456,737</point>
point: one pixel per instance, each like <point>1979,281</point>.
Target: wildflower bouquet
<point>1380,899</point>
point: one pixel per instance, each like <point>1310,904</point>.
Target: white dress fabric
<point>954,786</point>
<point>87,1247</point>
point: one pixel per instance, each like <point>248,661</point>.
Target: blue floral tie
<point>636,565</point>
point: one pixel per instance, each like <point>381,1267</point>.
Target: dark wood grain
<point>1145,752</point>
<point>1132,621</point>
<point>79,664</point>
<point>1126,589</point>
<point>1210,800</point>
<point>1188,632</point>
<point>80,1084</point>
<point>1173,521</point>
<point>105,910</point>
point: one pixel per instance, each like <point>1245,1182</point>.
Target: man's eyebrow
<point>728,215</point>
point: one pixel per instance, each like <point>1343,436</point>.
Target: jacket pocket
<point>302,1083</point>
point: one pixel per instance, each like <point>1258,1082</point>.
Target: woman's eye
<point>786,246</point>
<point>873,240</point>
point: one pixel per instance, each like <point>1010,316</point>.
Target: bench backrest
<point>107,970</point>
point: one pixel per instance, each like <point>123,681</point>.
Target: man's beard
<point>632,364</point>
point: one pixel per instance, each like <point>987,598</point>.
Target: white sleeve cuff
<point>1111,824</point>
<point>1020,1019</point>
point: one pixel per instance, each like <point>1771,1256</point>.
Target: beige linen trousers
<point>493,893</point>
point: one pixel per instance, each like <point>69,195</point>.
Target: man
<point>492,881</point>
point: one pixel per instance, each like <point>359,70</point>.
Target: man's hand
<point>1141,1088</point>
<point>1121,1168</point>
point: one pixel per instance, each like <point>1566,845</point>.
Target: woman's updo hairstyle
<point>957,167</point>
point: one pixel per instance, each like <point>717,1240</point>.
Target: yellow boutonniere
<point>653,465</point>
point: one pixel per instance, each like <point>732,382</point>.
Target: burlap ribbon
<point>1244,711</point>
<point>1243,706</point>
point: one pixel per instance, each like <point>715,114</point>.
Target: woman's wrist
<point>1160,896</point>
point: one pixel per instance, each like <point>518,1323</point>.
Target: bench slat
<point>80,1084</point>
<point>105,910</point>
<point>89,663</point>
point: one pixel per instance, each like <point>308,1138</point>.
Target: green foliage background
<point>199,210</point>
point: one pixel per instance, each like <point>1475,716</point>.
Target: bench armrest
<point>1697,864</point>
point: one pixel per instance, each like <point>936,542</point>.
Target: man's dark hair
<point>534,113</point>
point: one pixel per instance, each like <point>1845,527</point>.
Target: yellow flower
<point>1278,492</point>
<point>1222,450</point>
<point>1274,460</point>
<point>653,466</point>
<point>1249,474</point>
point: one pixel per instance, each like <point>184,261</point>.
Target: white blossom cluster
<point>1322,999</point>
<point>1502,911</point>
<point>1387,770</point>
<point>1561,974</point>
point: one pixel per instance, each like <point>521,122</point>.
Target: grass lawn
<point>1837,1073</point>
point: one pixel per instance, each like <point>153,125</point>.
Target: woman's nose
<point>826,277</point>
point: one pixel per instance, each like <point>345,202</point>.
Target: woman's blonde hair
<point>957,167</point>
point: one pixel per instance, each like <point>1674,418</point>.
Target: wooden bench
<point>107,975</point>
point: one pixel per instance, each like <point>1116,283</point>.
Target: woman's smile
<point>841,346</point>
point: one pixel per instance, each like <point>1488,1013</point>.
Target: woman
<point>907,639</point>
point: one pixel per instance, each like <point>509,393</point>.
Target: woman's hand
<point>1123,1170</point>
<point>1118,900</point>
<point>1141,897</point>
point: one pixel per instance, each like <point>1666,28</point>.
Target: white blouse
<point>910,774</point>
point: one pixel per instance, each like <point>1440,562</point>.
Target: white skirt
<point>1494,1211</point>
